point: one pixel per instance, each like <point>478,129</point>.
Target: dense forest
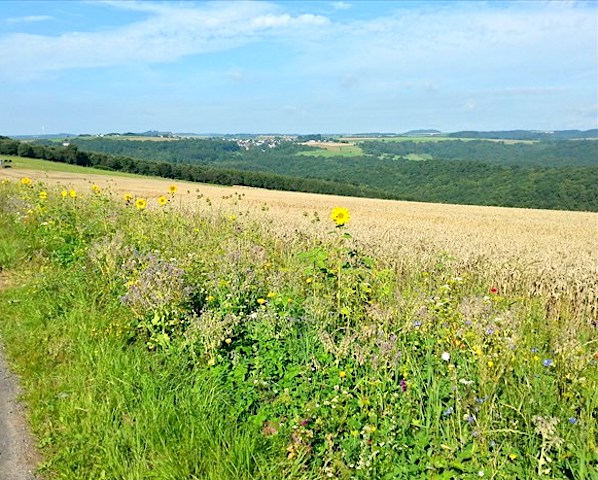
<point>545,174</point>
<point>575,153</point>
<point>184,171</point>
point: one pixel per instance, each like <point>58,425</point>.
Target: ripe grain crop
<point>544,253</point>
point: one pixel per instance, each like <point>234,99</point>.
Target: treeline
<point>479,182</point>
<point>200,151</point>
<point>195,173</point>
<point>544,154</point>
<point>440,181</point>
<point>491,173</point>
<point>528,175</point>
<point>528,134</point>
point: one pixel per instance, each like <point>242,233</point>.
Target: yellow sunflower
<point>26,181</point>
<point>128,197</point>
<point>96,189</point>
<point>72,194</point>
<point>141,203</point>
<point>340,216</point>
<point>172,189</point>
<point>163,200</point>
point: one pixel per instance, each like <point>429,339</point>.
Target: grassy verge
<point>48,166</point>
<point>152,345</point>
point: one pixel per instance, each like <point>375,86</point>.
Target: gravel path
<point>18,456</point>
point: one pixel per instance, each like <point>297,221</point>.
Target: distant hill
<point>422,133</point>
<point>528,134</point>
<point>48,136</point>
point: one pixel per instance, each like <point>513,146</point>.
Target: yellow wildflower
<point>72,193</point>
<point>369,429</point>
<point>163,200</point>
<point>96,189</point>
<point>128,197</point>
<point>64,193</point>
<point>271,294</point>
<point>43,195</point>
<point>342,374</point>
<point>261,301</point>
<point>172,189</point>
<point>26,181</point>
<point>140,203</point>
<point>340,216</point>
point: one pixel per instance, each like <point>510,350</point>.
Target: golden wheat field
<point>549,253</point>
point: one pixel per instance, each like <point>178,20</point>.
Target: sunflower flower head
<point>25,181</point>
<point>72,193</point>
<point>128,197</point>
<point>163,200</point>
<point>140,204</point>
<point>340,216</point>
<point>172,189</point>
<point>96,189</point>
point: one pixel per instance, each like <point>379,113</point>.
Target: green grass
<point>418,157</point>
<point>153,345</point>
<point>45,165</point>
<point>340,151</point>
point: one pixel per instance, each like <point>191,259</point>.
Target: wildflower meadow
<point>155,343</point>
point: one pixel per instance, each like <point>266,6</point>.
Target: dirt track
<point>18,457</point>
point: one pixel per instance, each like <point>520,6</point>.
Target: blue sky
<point>297,66</point>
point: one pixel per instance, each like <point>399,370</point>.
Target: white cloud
<point>236,75</point>
<point>434,61</point>
<point>172,31</point>
<point>341,5</point>
<point>29,18</point>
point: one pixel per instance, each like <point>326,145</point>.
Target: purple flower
<point>448,411</point>
<point>403,385</point>
<point>547,362</point>
<point>572,420</point>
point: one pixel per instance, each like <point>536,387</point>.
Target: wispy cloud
<point>29,18</point>
<point>171,31</point>
<point>437,64</point>
<point>341,5</point>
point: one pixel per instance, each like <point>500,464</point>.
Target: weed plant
<point>154,344</point>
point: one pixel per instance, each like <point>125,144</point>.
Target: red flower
<point>494,290</point>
